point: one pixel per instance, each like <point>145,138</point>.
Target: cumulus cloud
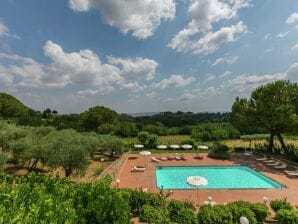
<point>292,19</point>
<point>245,82</point>
<point>81,68</point>
<point>141,18</point>
<point>204,13</point>
<point>135,68</point>
<point>175,80</point>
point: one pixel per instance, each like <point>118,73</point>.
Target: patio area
<point>147,179</point>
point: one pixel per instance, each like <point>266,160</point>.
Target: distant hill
<point>143,114</point>
<point>180,118</point>
<point>10,107</point>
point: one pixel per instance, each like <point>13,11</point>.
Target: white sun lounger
<point>138,169</point>
<point>261,159</point>
<point>290,171</point>
<point>281,166</point>
<point>153,159</point>
<point>269,161</point>
<point>294,174</point>
<point>273,164</point>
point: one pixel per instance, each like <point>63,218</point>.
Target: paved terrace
<point>147,179</point>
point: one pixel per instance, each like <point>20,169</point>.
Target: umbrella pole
<point>198,196</point>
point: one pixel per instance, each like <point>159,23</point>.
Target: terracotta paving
<point>147,179</point>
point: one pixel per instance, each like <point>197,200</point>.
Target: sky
<point>144,55</point>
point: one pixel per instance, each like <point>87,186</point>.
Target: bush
<point>214,131</point>
<point>280,204</point>
<point>261,211</point>
<point>180,213</point>
<point>188,142</point>
<point>219,151</point>
<point>137,199</point>
<point>150,214</point>
<point>217,214</point>
<point>148,140</point>
<point>285,216</point>
<point>242,208</point>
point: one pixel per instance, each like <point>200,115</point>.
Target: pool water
<point>219,177</point>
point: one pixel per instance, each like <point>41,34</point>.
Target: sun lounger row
<point>272,162</point>
<point>166,158</point>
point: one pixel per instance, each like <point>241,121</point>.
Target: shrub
<point>148,140</point>
<point>156,200</point>
<point>154,215</point>
<point>261,211</point>
<point>242,208</point>
<point>280,204</point>
<point>217,214</point>
<point>188,142</point>
<point>219,151</point>
<point>180,213</point>
<point>285,216</point>
<point>137,199</point>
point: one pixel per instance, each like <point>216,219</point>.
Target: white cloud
<point>176,80</point>
<point>293,18</point>
<point>213,40</point>
<point>282,35</point>
<point>228,60</point>
<point>135,68</point>
<point>244,82</point>
<point>268,36</point>
<point>187,97</point>
<point>139,17</point>
<point>268,50</point>
<point>4,31</point>
<point>209,77</point>
<point>204,13</point>
<point>295,47</point>
<point>225,74</point>
<point>81,68</point>
<point>218,61</point>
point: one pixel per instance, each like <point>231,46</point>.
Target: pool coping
<point>260,174</point>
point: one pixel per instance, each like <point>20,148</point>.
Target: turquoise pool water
<point>219,177</point>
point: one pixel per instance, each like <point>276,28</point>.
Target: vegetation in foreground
<point>37,199</point>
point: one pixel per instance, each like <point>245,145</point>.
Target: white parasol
<point>197,181</point>
<point>186,146</point>
<point>145,153</point>
<point>138,146</point>
<point>162,147</point>
<point>203,147</point>
<point>174,146</point>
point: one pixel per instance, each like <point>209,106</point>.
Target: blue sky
<point>140,56</point>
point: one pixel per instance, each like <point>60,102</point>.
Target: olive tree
<point>66,149</point>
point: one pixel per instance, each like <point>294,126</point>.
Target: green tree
<point>272,107</point>
<point>10,107</point>
<point>148,140</point>
<point>100,119</point>
<point>112,145</point>
<point>66,149</point>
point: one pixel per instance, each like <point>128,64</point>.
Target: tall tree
<point>272,107</point>
<point>100,119</point>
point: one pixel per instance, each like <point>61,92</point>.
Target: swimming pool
<point>219,177</point>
